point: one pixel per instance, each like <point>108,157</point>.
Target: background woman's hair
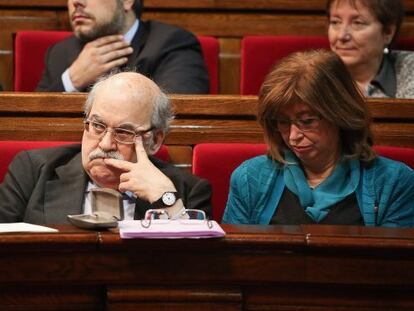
<point>319,79</point>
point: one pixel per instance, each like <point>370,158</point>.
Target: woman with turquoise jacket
<point>320,167</point>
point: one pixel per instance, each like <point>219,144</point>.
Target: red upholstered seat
<point>405,43</point>
<point>8,150</point>
<point>401,154</point>
<point>30,48</point>
<point>216,162</point>
<point>260,53</point>
<point>210,48</point>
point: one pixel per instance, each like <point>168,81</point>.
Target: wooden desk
<point>252,268</point>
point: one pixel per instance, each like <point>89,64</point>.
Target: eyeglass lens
<point>305,124</point>
<point>120,135</point>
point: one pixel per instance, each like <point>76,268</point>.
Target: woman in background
<point>361,33</point>
<point>320,166</point>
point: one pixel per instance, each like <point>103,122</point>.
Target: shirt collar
<point>132,31</point>
<point>385,78</point>
<point>91,185</point>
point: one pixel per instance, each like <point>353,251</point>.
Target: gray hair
<point>162,114</point>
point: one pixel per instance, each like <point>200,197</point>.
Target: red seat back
<point>402,154</point>
<point>8,150</point>
<point>29,52</point>
<point>210,48</point>
<point>260,53</point>
<point>30,48</point>
<point>216,162</point>
<point>405,43</point>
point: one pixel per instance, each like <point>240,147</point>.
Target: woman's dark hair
<point>319,79</point>
<point>388,12</point>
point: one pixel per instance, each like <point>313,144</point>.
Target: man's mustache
<point>80,11</point>
<point>100,154</point>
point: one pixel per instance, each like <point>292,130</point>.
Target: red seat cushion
<point>30,48</point>
<point>216,162</point>
<point>402,154</point>
<point>210,48</point>
<point>8,150</point>
<point>260,53</point>
<point>405,43</point>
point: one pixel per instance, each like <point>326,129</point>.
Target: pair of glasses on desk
<point>185,217</point>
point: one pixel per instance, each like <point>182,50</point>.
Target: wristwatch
<point>168,199</point>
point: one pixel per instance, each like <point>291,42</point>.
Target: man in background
<point>109,34</point>
<point>126,119</point>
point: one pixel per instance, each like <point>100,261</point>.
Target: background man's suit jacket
<point>169,55</point>
<point>43,186</point>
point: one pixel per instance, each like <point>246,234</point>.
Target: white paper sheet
<point>24,227</point>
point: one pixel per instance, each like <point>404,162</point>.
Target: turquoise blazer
<point>385,193</point>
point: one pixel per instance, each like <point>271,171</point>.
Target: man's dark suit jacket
<point>169,55</point>
<point>43,186</point>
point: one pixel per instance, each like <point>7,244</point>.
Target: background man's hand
<point>142,178</point>
<point>98,57</point>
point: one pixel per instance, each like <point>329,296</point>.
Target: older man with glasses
<point>126,120</point>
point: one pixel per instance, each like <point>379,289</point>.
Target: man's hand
<point>98,57</point>
<point>142,178</point>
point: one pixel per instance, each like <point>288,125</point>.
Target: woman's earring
<point>386,50</point>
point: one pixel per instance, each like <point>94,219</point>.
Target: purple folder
<point>170,229</point>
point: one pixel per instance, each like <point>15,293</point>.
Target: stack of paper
<point>24,227</point>
<point>171,229</point>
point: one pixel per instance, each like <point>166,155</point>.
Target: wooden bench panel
<point>181,156</point>
<point>199,119</point>
<point>394,134</point>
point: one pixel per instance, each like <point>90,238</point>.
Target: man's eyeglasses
<point>303,124</point>
<point>120,134</point>
<point>185,216</point>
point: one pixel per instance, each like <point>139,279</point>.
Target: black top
<point>290,212</point>
<point>386,78</point>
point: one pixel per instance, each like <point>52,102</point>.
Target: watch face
<point>168,198</point>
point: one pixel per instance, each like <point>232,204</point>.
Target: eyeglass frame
<point>178,216</point>
<point>87,123</point>
<point>298,125</point>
